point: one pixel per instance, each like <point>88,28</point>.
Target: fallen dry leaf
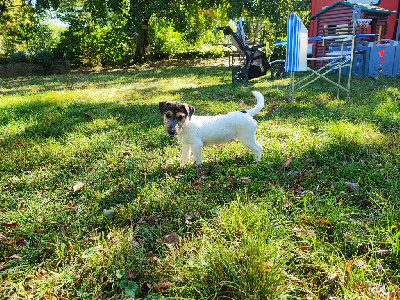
<point>352,186</point>
<point>152,218</point>
<point>70,205</point>
<point>382,252</point>
<point>137,244</point>
<point>38,230</point>
<point>162,286</point>
<point>18,241</point>
<point>197,185</point>
<point>132,274</point>
<point>9,224</point>
<point>152,258</point>
<point>212,183</point>
<point>188,217</point>
<point>70,247</point>
<point>392,295</point>
<point>348,267</point>
<point>171,240</point>
<point>333,277</point>
<point>303,231</point>
<point>287,163</point>
<point>245,179</point>
<point>87,116</point>
<point>146,287</point>
<point>304,248</point>
<point>78,186</point>
<point>39,273</point>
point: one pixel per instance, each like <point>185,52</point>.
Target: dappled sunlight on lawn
<point>389,109</point>
<point>290,138</point>
<point>94,198</point>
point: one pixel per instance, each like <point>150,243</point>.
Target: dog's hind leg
<point>258,152</point>
<point>251,143</point>
<point>185,153</point>
<point>256,148</point>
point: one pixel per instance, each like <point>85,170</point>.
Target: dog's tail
<point>260,103</point>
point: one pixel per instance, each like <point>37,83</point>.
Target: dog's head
<point>176,115</point>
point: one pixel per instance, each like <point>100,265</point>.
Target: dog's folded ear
<point>189,110</point>
<point>162,106</point>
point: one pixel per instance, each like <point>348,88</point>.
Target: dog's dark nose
<point>171,132</point>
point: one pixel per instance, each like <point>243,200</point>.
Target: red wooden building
<point>340,14</point>
<point>391,29</point>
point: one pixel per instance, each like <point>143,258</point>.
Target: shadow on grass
<point>103,79</point>
<point>374,100</point>
<point>162,199</point>
<point>319,95</point>
<point>159,197</point>
<point>38,121</point>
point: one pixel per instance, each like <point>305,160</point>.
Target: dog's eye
<point>179,118</point>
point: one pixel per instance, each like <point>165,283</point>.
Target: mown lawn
<point>94,203</point>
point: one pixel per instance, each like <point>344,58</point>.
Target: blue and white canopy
<point>297,44</point>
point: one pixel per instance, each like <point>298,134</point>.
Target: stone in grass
<point>353,187</point>
<point>109,213</point>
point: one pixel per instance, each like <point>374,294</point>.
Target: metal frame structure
<point>296,57</point>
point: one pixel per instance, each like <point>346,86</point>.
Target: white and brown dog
<point>194,132</point>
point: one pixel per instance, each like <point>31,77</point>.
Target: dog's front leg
<point>196,149</point>
<point>185,153</point>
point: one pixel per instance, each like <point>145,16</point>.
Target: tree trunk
<point>142,41</point>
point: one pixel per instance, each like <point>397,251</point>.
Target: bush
<point>96,44</point>
<point>279,52</point>
<point>21,56</point>
<point>164,40</point>
<point>44,57</point>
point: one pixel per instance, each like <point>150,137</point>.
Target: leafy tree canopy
<point>21,27</point>
<point>99,28</point>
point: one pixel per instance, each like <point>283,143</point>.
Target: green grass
<point>94,203</point>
